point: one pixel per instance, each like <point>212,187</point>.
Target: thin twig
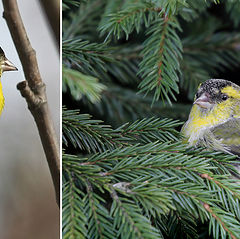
<point>33,90</point>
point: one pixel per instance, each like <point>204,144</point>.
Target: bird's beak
<point>8,66</point>
<point>203,101</point>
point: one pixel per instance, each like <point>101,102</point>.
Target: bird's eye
<point>224,97</point>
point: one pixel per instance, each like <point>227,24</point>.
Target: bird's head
<point>216,93</point>
<point>5,64</point>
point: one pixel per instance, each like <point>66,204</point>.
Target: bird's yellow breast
<point>1,98</point>
<point>216,116</point>
<point>200,120</point>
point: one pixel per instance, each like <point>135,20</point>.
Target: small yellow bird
<point>214,120</point>
<point>5,65</point>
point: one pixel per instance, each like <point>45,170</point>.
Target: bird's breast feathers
<point>1,98</point>
<point>201,121</point>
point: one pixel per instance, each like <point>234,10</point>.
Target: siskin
<point>5,65</point>
<point>214,120</point>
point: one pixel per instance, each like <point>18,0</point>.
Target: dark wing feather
<point>228,135</point>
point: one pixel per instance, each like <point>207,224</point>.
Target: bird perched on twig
<point>214,120</point>
<point>5,65</point>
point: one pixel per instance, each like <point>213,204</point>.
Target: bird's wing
<point>227,134</point>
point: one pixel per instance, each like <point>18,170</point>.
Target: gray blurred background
<point>27,201</point>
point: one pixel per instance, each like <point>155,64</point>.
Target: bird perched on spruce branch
<point>5,65</point>
<point>214,120</point>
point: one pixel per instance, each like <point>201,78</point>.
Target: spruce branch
<point>160,65</point>
<point>129,220</point>
<point>170,7</point>
<point>177,224</point>
<point>73,214</point>
<point>167,52</point>
<point>99,218</point>
<point>160,177</point>
<point>90,58</point>
<point>223,218</point>
<point>33,90</point>
<point>85,133</point>
<point>81,85</point>
<point>129,19</point>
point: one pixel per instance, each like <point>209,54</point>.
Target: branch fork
<point>35,97</point>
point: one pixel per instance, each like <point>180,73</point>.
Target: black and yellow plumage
<point>5,65</point>
<point>214,120</point>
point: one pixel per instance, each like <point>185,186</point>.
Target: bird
<point>214,120</point>
<point>5,65</point>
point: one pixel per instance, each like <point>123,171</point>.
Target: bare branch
<point>33,90</point>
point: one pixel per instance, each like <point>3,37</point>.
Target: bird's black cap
<point>1,52</point>
<point>211,84</point>
<point>213,88</point>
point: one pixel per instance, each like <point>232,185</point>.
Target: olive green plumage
<point>214,120</point>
